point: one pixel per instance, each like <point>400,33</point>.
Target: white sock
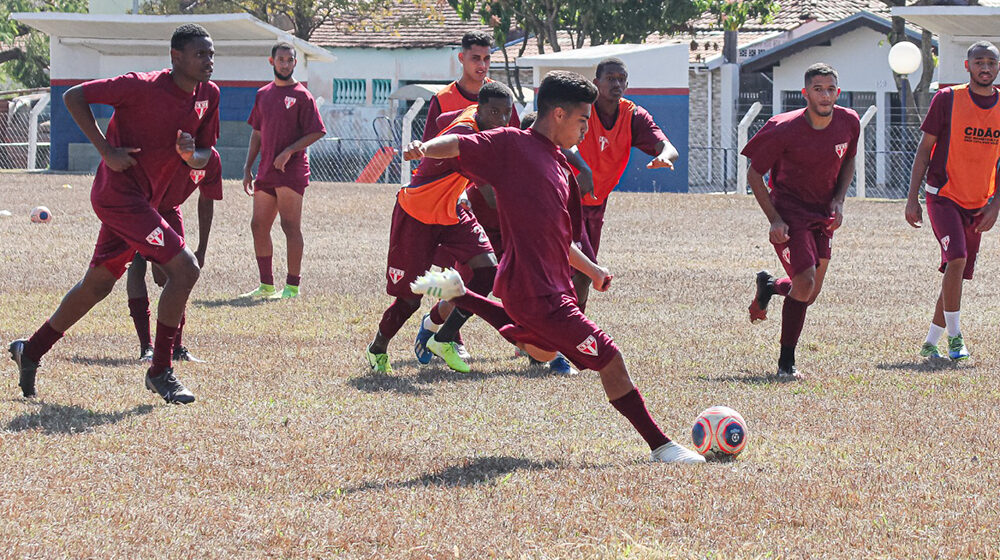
<point>951,319</point>
<point>934,334</point>
<point>430,325</point>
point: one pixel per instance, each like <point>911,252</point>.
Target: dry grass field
<point>293,450</point>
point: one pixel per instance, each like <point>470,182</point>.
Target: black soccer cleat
<point>27,368</point>
<point>146,354</point>
<point>167,386</point>
<point>182,354</point>
<point>789,373</point>
<point>765,290</point>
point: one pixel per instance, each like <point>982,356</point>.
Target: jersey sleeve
<point>645,133</point>
<point>310,120</point>
<point>852,147</point>
<point>482,156</point>
<point>208,132</point>
<point>764,149</point>
<point>211,185</point>
<point>112,91</point>
<point>255,116</point>
<point>431,128</point>
<point>938,113</point>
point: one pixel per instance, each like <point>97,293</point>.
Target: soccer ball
<point>41,215</point>
<point>719,433</point>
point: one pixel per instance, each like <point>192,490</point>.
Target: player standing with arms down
<point>809,154</point>
<point>285,122</point>
<point>162,121</point>
<point>958,152</point>
<point>616,126</point>
<point>539,208</point>
<point>209,183</point>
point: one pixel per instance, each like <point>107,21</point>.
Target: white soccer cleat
<point>443,284</point>
<point>671,452</point>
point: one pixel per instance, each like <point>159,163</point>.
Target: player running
<point>540,220</point>
<point>162,122</point>
<point>958,152</point>
<point>427,216</point>
<point>809,154</point>
<point>616,126</point>
<point>285,122</point>
<point>209,183</point>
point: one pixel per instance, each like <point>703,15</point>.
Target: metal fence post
<point>859,158</point>
<point>33,130</point>
<point>404,173</point>
<point>741,132</point>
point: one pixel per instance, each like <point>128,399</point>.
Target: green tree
<point>731,16</point>
<point>25,56</point>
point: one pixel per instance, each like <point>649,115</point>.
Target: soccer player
<point>427,216</point>
<point>616,126</point>
<point>285,121</point>
<point>209,183</point>
<point>540,219</point>
<point>162,122</point>
<point>958,152</point>
<point>809,154</point>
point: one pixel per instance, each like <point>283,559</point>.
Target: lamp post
<point>904,59</point>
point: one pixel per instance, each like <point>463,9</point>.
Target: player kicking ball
<point>959,157</point>
<point>809,154</point>
<point>540,220</point>
<point>163,121</point>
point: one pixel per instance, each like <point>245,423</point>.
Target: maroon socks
<point>138,308</point>
<point>633,407</point>
<point>782,286</point>
<point>41,342</point>
<point>291,280</point>
<point>162,348</point>
<point>264,266</point>
<point>394,317</point>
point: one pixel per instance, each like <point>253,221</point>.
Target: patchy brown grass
<point>293,450</point>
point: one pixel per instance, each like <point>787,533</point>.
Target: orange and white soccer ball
<point>719,433</point>
<point>41,215</point>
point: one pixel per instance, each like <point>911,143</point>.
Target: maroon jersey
<point>539,208</point>
<point>283,114</point>
<point>803,162</point>
<point>208,181</point>
<point>938,123</point>
<point>149,110</point>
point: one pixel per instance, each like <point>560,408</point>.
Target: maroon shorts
<point>555,323</point>
<point>273,190</point>
<point>413,246</point>
<point>955,229</point>
<point>593,223</point>
<point>805,247</point>
<point>131,226</point>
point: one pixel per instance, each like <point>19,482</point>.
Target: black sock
<point>786,360</point>
<point>449,330</point>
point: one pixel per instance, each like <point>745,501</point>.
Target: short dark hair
<point>283,45</point>
<point>560,88</point>
<point>495,90</point>
<point>528,119</point>
<point>820,69</point>
<point>185,33</point>
<point>478,38</point>
<point>610,61</point>
<point>981,45</point>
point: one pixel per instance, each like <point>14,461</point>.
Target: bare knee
<point>183,270</point>
<point>291,227</point>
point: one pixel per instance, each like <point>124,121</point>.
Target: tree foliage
<point>731,16</point>
<point>24,55</point>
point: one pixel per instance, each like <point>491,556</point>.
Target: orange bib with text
<point>607,151</point>
<point>450,99</point>
<point>973,150</point>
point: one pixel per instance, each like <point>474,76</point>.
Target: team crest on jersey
<point>289,101</point>
<point>841,149</point>
<point>396,275</point>
<point>786,255</point>
<point>155,237</point>
<point>945,241</point>
<point>197,175</point>
<point>604,142</point>
<point>201,107</point>
<point>588,346</point>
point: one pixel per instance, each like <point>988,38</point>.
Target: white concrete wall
<point>664,67</point>
<point>951,60</point>
<point>421,65</point>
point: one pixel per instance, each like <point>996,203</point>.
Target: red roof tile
<point>408,24</point>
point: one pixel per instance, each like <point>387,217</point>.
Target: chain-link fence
<point>24,131</point>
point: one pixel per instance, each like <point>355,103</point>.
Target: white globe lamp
<point>904,58</point>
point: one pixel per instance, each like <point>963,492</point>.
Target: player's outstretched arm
<point>252,153</point>
<point>206,211</point>
<point>844,179</point>
<point>442,147</point>
<point>599,275</point>
<point>302,143</point>
<point>117,158</point>
<point>666,157</point>
<point>921,160</point>
<point>193,156</point>
<point>779,229</point>
<point>586,176</point>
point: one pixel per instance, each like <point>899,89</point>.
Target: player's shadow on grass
<point>481,470</point>
<point>229,302</point>
<point>382,383</point>
<point>747,377</point>
<point>921,365</point>
<point>105,361</point>
<point>61,419</point>
<point>438,373</point>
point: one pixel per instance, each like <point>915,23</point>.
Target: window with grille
<point>380,91</point>
<point>349,90</point>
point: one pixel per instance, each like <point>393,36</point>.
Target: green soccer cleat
<point>288,292</point>
<point>929,350</point>
<point>379,363</point>
<point>264,291</point>
<point>448,352</point>
<point>956,348</point>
